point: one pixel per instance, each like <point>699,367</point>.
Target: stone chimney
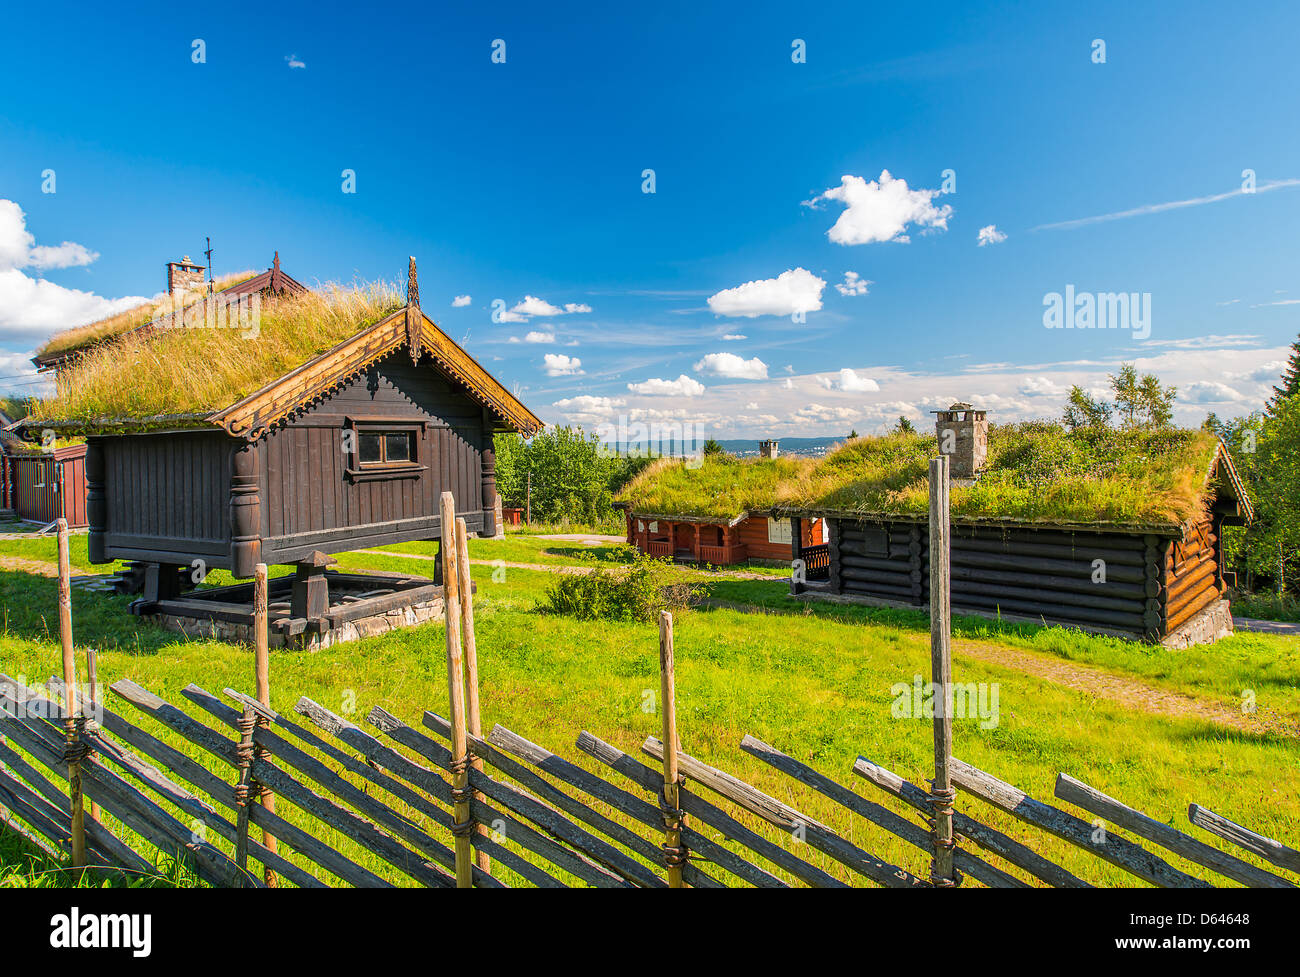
<point>963,435</point>
<point>185,276</point>
<point>767,449</point>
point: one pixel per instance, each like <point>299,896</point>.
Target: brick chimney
<point>963,435</point>
<point>767,449</point>
<point>185,276</point>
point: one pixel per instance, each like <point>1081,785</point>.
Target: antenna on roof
<point>209,254</point>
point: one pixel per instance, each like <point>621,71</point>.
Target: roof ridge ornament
<point>414,317</point>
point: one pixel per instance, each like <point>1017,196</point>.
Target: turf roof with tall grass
<point>196,370</point>
<point>1036,472</point>
<point>120,323</point>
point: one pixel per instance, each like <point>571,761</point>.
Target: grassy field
<point>812,679</point>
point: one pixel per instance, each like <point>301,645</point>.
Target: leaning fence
<point>444,805</point>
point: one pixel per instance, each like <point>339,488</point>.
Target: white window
<point>640,526</point>
<point>778,531</point>
<point>654,527</point>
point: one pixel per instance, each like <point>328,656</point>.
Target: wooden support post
<point>244,755</point>
<point>71,721</point>
<point>674,853</point>
<point>942,794</point>
<point>262,668</point>
<point>474,719</point>
<point>463,824</point>
<point>92,681</point>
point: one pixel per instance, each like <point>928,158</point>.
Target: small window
<point>386,448</point>
<point>778,530</point>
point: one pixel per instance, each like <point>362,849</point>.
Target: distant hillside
<point>748,447</point>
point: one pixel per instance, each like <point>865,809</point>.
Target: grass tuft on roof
<point>198,370</point>
<point>132,318</point>
<point>1036,472</point>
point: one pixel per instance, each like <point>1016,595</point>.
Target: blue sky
<point>524,179</point>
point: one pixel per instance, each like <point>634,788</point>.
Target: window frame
<point>368,471</point>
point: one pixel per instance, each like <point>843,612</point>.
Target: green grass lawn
<point>813,680</point>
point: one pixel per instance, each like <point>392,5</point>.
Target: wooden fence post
<point>463,825</point>
<point>74,746</point>
<point>670,802</point>
<point>942,793</point>
<point>473,718</point>
<point>262,654</point>
<point>92,682</point>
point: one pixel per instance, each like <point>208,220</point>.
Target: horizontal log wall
<point>1192,575</point>
<point>1047,574</point>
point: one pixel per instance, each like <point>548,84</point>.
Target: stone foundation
<point>1205,628</point>
<point>363,627</point>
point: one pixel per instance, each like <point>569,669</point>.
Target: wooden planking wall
<point>167,492</point>
<point>52,485</point>
<point>305,486</point>
<point>753,533</point>
<point>1019,571</point>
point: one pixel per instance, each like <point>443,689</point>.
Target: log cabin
<point>715,510</point>
<point>1115,533</point>
<point>255,463</point>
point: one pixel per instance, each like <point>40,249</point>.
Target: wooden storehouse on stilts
<point>349,448</point>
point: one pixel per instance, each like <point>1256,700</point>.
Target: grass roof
<point>196,370</point>
<point>132,318</point>
<point>1036,472</point>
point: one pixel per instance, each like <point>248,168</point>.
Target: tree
<point>1290,385</point>
<point>1141,402</point>
<point>905,426</point>
<point>853,434</point>
<point>712,447</point>
<point>1083,410</point>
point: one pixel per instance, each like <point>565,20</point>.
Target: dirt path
<point>1129,692</point>
<point>23,565</point>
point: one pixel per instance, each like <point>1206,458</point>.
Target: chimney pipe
<point>963,433</point>
<point>768,449</point>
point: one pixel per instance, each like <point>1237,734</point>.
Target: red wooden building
<point>45,485</point>
<point>755,535</point>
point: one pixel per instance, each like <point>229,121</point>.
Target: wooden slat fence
<point>381,802</point>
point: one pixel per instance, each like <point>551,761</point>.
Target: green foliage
<point>637,592</point>
<point>904,427</point>
<point>1266,451</point>
<point>712,447</point>
<point>1290,384</point>
<point>1141,401</point>
<point>1083,410</point>
<point>573,478</point>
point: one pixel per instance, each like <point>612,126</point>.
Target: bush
<point>636,592</point>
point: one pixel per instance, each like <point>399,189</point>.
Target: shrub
<point>636,592</point>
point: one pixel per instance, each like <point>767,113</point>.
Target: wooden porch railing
<point>817,561</point>
<point>724,555</point>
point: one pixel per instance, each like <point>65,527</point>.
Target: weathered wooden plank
<point>517,801</point>
<point>547,791</point>
<point>707,813</point>
<point>1265,847</point>
<point>307,845</point>
<point>1076,792</point>
<point>989,839</point>
<point>787,818</point>
<point>1118,851</point>
<point>896,825</point>
<point>383,814</point>
<point>427,780</point>
<point>363,832</point>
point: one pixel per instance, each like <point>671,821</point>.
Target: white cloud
<point>788,385</point>
<point>683,386</point>
<point>731,365</point>
<point>460,301</point>
<point>587,404</point>
<point>32,308</point>
<point>559,365</point>
<point>1209,392</point>
<point>732,337</point>
<point>853,284</point>
<point>1042,387</point>
<point>539,337</point>
<point>533,306</point>
<point>1146,209</point>
<point>796,290</point>
<point>293,61</point>
<point>990,235</point>
<point>881,210</point>
<point>849,382</point>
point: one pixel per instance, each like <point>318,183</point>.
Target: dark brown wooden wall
<point>1039,573</point>
<point>167,496</point>
<point>309,501</point>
